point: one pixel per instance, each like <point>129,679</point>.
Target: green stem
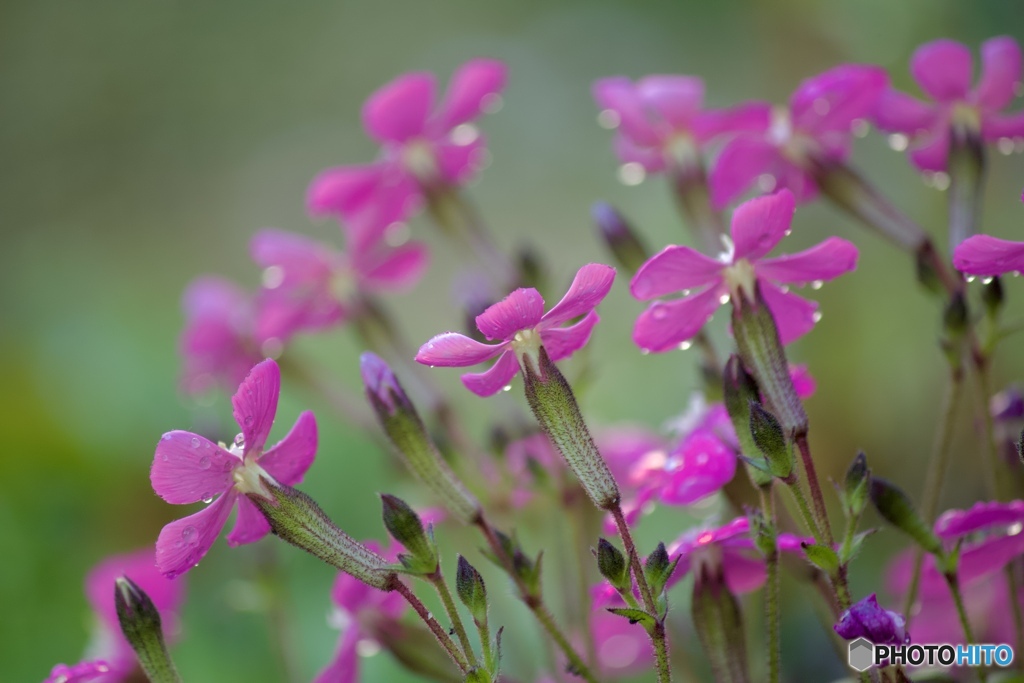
<point>453,614</point>
<point>690,188</point>
<point>439,633</point>
<point>579,553</point>
<point>820,512</point>
<point>804,507</point>
<point>990,463</point>
<point>274,589</point>
<point>484,630</point>
<point>771,591</point>
<point>958,599</point>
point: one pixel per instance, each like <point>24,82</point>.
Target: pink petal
<point>471,86</point>
<point>184,542</point>
<point>288,460</point>
<point>399,110</point>
<point>1000,72</point>
<point>751,117</point>
<point>296,254</point>
<point>83,672</point>
<point>281,315</point>
<point>832,101</point>
<point>667,324</point>
<point>459,163</point>
<point>343,190</point>
<point>628,152</point>
<point>676,99</point>
<point>794,315</point>
<point>988,556</point>
<point>255,404</point>
<point>496,378</point>
<point>705,466</point>
<point>619,95</point>
<point>188,468</point>
<point>562,342</point>
<point>759,224</point>
<point>743,572</point>
<point>952,524</point>
<point>824,261</point>
<point>674,269</point>
<point>454,350</point>
<point>996,126</point>
<point>803,382</point>
<point>394,200</point>
<point>897,112</point>
<point>520,310</point>
<point>589,287</point>
<point>250,524</point>
<point>932,154</point>
<point>943,69</point>
<point>741,161</point>
<point>344,668</point>
<point>140,567</point>
<point>988,256</point>
<point>393,269</point>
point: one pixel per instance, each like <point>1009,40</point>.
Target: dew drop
<point>464,134</point>
<point>986,281</point>
<point>188,534</point>
<point>273,277</point>
<point>1005,146</point>
<point>860,128</point>
<point>816,316</point>
<point>507,387</point>
<point>631,173</point>
<point>784,289</point>
<point>659,313</point>
<point>609,119</point>
<point>724,299</point>
<point>248,420</point>
<point>817,284</point>
<point>971,278</point>
<point>207,498</point>
<point>195,442</point>
<point>766,182</point>
<point>898,141</point>
<point>645,352</point>
<point>240,438</point>
<point>685,345</point>
<point>787,233</point>
<point>165,457</point>
<point>492,103</point>
<point>204,462</point>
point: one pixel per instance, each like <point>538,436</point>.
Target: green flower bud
<point>719,624</point>
<point>613,565</point>
<point>992,296</point>
<point>855,486</point>
<point>897,509</point>
<point>767,435</point>
<point>658,569</point>
<point>619,236</point>
<point>140,624</point>
<point>405,526</point>
<point>472,591</point>
<point>739,389</point>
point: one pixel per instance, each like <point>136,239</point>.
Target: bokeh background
<point>143,143</point>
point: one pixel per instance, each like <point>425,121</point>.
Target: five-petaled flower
<point>423,148</point>
<point>188,468</point>
<point>790,143</point>
<point>757,226</point>
<point>867,619</point>
<point>942,69</point>
<point>522,327</point>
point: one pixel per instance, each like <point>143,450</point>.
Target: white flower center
<point>740,278</point>
<point>419,159</point>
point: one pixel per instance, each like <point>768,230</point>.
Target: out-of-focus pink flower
<point>731,546</point>
<point>815,129</point>
<point>866,619</point>
<point>522,326</point>
<point>359,610</point>
<point>423,146</point>
<point>218,345</point>
<point>707,283</point>
<point>622,648</point>
<point>987,256</point>
<point>662,122</point>
<point>188,468</point>
<point>942,68</point>
<point>309,286</point>
<point>112,660</point>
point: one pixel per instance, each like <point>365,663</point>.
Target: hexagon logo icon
<point>862,654</point>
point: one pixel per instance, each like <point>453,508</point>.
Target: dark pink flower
<point>188,468</point>
<point>987,256</point>
<point>359,611</point>
<point>521,325</point>
<point>866,619</point>
<point>309,286</point>
<point>662,122</point>
<point>943,70</point>
<point>218,345</point>
<point>816,128</point>
<point>707,283</point>
<point>423,146</point>
<point>731,545</point>
<point>114,660</point>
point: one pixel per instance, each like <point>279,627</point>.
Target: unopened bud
<point>719,624</point>
<point>140,624</point>
<point>622,241</point>
<point>405,430</point>
<point>658,568</point>
<point>897,509</point>
<point>739,389</point>
<point>531,270</point>
<point>613,566</point>
<point>405,526</point>
<point>992,296</point>
<point>767,434</point>
<point>855,486</point>
<point>472,591</point>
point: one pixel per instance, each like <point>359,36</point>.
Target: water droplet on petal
<point>204,462</point>
<point>685,345</point>
<point>986,281</point>
<point>659,313</point>
<point>207,498</point>
<point>240,438</point>
<point>724,299</point>
<point>971,278</point>
<point>195,442</point>
<point>273,277</point>
<point>248,420</point>
<point>816,316</point>
<point>1005,145</point>
<point>189,534</point>
<point>860,128</point>
<point>507,387</point>
<point>609,119</point>
<point>631,173</point>
<point>898,141</point>
<point>817,284</point>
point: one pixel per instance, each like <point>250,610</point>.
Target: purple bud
<point>866,619</point>
<point>382,387</point>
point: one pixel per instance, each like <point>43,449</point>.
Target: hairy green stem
<point>990,463</point>
<point>961,611</point>
<point>442,636</point>
<point>453,614</point>
<point>771,591</point>
<point>820,512</point>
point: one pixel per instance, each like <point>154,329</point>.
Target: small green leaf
<point>822,556</point>
<point>635,616</point>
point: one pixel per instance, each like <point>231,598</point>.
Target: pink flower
<point>757,226</point>
<point>622,648</point>
<point>188,468</point>
<point>522,326</point>
<point>218,344</point>
<point>943,69</point>
<point>731,545</point>
<point>867,619</point>
<point>662,122</point>
<point>423,147</point>
<point>308,285</point>
<point>814,129</point>
<point>988,256</point>
<point>360,610</point>
<point>114,660</point>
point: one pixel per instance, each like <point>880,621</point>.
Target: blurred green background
<point>143,143</point>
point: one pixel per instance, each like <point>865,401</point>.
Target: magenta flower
<point>943,69</point>
<point>361,612</point>
<point>731,545</point>
<point>988,256</point>
<point>423,147</point>
<point>815,129</point>
<point>112,659</point>
<point>989,533</point>
<point>309,286</point>
<point>662,122</point>
<point>707,283</point>
<point>866,619</point>
<point>522,326</point>
<point>218,345</point>
<point>188,468</point>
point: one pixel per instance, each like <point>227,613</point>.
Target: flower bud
<point>531,269</point>
<point>613,566</point>
<point>526,570</point>
<point>992,296</point>
<point>855,486</point>
<point>658,569</point>
<point>405,526</point>
<point>553,404</point>
<point>405,430</point>
<point>622,241</point>
<point>140,624</point>
<point>896,508</point>
<point>719,624</point>
<point>739,389</point>
<point>866,619</point>
<point>472,591</point>
<point>767,434</point>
